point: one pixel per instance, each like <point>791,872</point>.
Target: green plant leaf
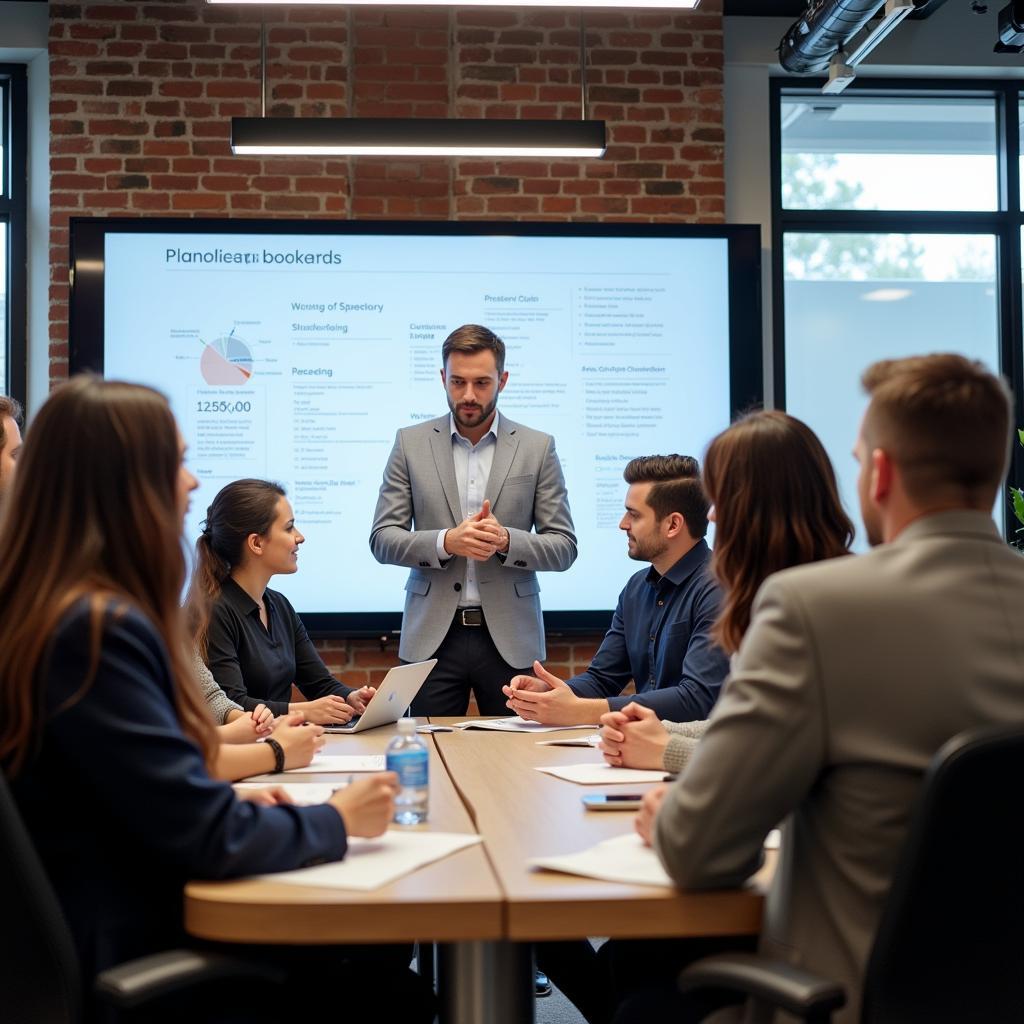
<point>1017,496</point>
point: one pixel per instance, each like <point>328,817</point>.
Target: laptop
<point>392,700</point>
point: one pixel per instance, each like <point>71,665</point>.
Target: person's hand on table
<point>477,536</point>
<point>358,699</point>
<point>368,805</point>
<point>531,683</point>
<point>644,820</point>
<point>298,741</point>
<point>545,698</point>
<point>247,726</point>
<point>271,796</point>
<point>292,718</point>
<point>329,710</point>
<point>633,738</point>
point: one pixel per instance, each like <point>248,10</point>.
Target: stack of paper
<point>601,774</point>
<point>515,724</point>
<point>341,763</point>
<point>372,863</point>
<point>299,792</point>
<point>573,741</point>
<point>621,859</point>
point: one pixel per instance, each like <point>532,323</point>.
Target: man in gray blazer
<point>461,498</point>
<point>855,671</point>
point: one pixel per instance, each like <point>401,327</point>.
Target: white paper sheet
<point>300,792</point>
<point>341,763</point>
<point>372,863</point>
<point>516,724</point>
<point>599,773</point>
<point>573,741</point>
<point>620,859</point>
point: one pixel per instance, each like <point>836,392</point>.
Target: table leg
<point>486,983</point>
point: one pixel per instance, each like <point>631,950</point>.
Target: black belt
<point>469,616</point>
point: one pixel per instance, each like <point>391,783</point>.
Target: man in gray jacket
<point>854,672</point>
<point>475,506</point>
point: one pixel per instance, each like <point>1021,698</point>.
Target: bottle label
<point>411,767</point>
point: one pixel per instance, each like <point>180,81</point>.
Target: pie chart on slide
<point>226,361</point>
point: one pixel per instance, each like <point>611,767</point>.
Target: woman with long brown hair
<point>775,505</point>
<point>249,635</point>
<point>104,734</point>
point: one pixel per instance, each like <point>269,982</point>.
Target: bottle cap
<point>406,725</point>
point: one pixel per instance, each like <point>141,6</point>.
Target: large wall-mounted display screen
<point>293,351</point>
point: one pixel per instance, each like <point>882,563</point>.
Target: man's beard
<point>647,551</point>
<point>478,418</point>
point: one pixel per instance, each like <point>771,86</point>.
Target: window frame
<point>1005,223</point>
<point>14,213</point>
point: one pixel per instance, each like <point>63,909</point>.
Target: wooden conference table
<point>482,904</point>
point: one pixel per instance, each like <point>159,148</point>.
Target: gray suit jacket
<point>852,675</point>
<point>420,497</point>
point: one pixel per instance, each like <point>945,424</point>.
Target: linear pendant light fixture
<point>413,136</point>
<point>416,136</point>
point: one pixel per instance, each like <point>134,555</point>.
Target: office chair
<point>40,978</point>
<point>950,944</point>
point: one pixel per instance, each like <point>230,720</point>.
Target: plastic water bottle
<point>408,758</point>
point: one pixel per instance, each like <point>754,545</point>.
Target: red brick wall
<point>358,662</point>
<point>141,97</point>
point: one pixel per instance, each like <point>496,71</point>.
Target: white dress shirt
<point>472,470</point>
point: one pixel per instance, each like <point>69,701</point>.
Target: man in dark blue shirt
<point>660,636</point>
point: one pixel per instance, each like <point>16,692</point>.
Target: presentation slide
<point>296,358</point>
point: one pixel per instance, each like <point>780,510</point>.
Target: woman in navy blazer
<point>103,728</point>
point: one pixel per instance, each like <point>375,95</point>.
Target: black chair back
<point>39,973</point>
<point>950,946</point>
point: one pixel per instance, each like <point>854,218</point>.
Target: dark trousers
<point>467,660</point>
<point>633,981</point>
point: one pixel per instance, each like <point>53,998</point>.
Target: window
<point>13,208</point>
<point>897,230</point>
<point>889,153</point>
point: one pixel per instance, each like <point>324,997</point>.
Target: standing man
<point>461,497</point>
<point>855,671</point>
<point>660,636</point>
<point>10,439</point>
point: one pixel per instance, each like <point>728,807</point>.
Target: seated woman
<point>255,724</point>
<point>103,731</point>
<point>251,638</point>
<point>240,753</point>
<point>775,504</point>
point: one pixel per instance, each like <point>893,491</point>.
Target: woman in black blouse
<point>249,635</point>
